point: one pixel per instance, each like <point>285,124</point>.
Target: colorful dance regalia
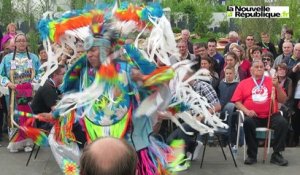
<point>108,102</point>
<point>19,70</point>
<point>112,114</point>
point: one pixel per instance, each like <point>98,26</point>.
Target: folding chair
<point>37,151</point>
<point>260,133</point>
<point>218,133</point>
<point>195,141</point>
<point>240,124</point>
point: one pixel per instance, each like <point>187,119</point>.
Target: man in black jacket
<point>266,45</point>
<point>47,95</point>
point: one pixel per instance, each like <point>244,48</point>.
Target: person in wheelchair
<point>253,96</point>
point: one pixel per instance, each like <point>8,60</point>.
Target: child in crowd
<point>226,89</point>
<point>256,53</point>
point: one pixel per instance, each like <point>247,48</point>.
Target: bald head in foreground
<point>108,156</point>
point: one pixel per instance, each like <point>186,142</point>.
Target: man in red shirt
<point>253,97</point>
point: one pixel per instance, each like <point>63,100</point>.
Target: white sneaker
<point>196,151</point>
<point>13,150</point>
<point>183,167</point>
<point>27,149</point>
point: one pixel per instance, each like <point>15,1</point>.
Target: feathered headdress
<point>111,23</point>
<point>99,28</point>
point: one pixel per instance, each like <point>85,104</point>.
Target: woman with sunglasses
<point>267,58</point>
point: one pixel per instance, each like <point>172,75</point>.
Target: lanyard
<point>262,81</point>
<point>50,79</point>
<point>265,46</point>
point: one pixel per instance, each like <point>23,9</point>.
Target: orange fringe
<point>108,71</point>
<point>157,71</point>
<point>128,122</point>
<point>131,13</point>
<point>74,23</point>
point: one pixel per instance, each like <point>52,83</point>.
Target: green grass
<point>200,40</point>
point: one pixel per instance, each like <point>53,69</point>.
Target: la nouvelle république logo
<point>258,11</point>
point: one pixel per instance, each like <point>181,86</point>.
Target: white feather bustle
<point>183,92</point>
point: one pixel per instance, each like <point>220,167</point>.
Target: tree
<point>271,26</point>
<point>199,12</point>
<point>294,13</point>
<point>47,5</point>
<point>33,40</point>
<point>25,11</point>
<point>77,4</point>
<point>25,8</point>
<point>7,15</point>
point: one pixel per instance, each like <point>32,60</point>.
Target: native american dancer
<point>17,71</point>
<point>116,89</point>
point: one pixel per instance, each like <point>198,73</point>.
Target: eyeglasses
<point>21,41</point>
<point>250,39</point>
<point>61,73</point>
<point>259,67</point>
<point>236,50</point>
<point>266,59</point>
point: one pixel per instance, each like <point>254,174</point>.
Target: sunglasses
<point>250,39</point>
<point>266,59</point>
<point>21,41</point>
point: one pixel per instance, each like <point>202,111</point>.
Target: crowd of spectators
<point>240,53</point>
<point>239,64</point>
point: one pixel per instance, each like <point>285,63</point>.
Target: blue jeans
<point>189,140</point>
<point>230,117</point>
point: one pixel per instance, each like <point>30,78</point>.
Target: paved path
<point>214,163</point>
